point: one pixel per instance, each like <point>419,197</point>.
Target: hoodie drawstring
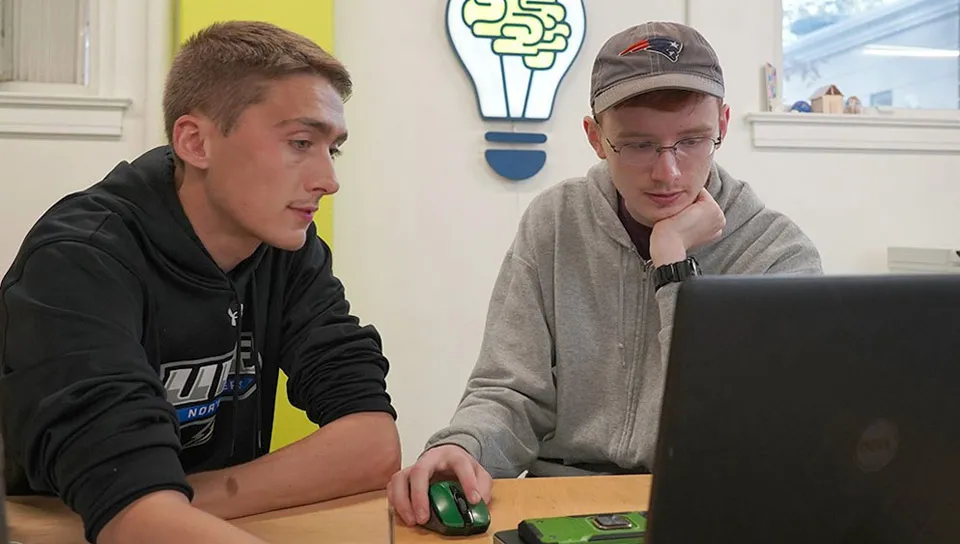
<point>620,316</point>
<point>256,365</point>
<point>236,377</point>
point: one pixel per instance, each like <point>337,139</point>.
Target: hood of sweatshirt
<point>144,194</point>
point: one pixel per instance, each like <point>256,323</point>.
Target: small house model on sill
<point>827,99</point>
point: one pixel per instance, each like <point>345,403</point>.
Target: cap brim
<point>644,84</point>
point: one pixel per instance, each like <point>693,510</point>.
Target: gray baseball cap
<point>653,56</point>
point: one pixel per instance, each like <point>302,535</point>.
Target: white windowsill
<point>883,131</point>
<point>53,115</point>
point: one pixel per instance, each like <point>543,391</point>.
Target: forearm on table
<point>167,516</point>
<point>354,454</point>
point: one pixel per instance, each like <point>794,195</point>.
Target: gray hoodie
<point>572,364</point>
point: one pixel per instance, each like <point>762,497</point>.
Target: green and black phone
<point>607,528</point>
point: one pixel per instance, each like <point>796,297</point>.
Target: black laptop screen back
<point>820,409</point>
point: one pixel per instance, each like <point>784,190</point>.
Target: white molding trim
<point>855,132</point>
<point>51,115</point>
<point>159,22</point>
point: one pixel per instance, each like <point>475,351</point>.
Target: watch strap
<point>675,272</point>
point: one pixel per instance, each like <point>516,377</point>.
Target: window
<point>900,53</point>
<point>45,45</point>
<point>59,64</point>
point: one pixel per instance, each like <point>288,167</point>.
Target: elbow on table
<point>387,461</point>
<point>373,453</point>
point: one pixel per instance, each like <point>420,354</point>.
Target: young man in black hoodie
<point>145,320</point>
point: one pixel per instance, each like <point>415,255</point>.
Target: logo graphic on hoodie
<point>196,388</point>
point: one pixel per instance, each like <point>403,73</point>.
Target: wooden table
<point>363,519</point>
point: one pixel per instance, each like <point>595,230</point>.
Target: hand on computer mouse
<point>451,514</point>
<point>407,490</point>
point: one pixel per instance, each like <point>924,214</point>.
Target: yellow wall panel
<point>313,19</point>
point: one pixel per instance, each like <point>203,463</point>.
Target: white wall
<point>422,223</point>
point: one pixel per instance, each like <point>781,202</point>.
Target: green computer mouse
<point>452,514</point>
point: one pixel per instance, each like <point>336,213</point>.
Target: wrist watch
<point>675,272</point>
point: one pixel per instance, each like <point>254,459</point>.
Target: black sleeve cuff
<point>372,404</point>
<point>113,485</point>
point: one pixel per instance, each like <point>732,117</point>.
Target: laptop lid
<point>811,409</point>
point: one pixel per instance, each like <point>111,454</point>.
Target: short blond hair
<point>223,69</point>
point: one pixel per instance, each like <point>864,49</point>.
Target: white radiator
<point>922,260</point>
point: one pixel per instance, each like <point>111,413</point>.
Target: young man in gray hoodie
<point>571,371</point>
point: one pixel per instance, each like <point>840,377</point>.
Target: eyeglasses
<point>684,151</point>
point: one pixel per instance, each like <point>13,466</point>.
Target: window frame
<point>6,44</point>
<point>67,109</point>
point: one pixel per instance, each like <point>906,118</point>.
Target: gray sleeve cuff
<point>465,441</point>
<point>667,301</point>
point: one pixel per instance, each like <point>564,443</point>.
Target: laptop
<point>811,409</point>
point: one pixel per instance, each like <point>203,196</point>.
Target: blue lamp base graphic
<point>516,164</point>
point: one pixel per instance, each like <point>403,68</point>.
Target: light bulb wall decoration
<point>516,53</point>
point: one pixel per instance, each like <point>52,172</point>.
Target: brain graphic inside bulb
<point>516,53</point>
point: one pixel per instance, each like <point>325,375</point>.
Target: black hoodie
<point>118,347</point>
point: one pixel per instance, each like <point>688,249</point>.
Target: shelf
<point>883,131</point>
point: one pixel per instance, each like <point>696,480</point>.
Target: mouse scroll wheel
<point>464,508</point>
